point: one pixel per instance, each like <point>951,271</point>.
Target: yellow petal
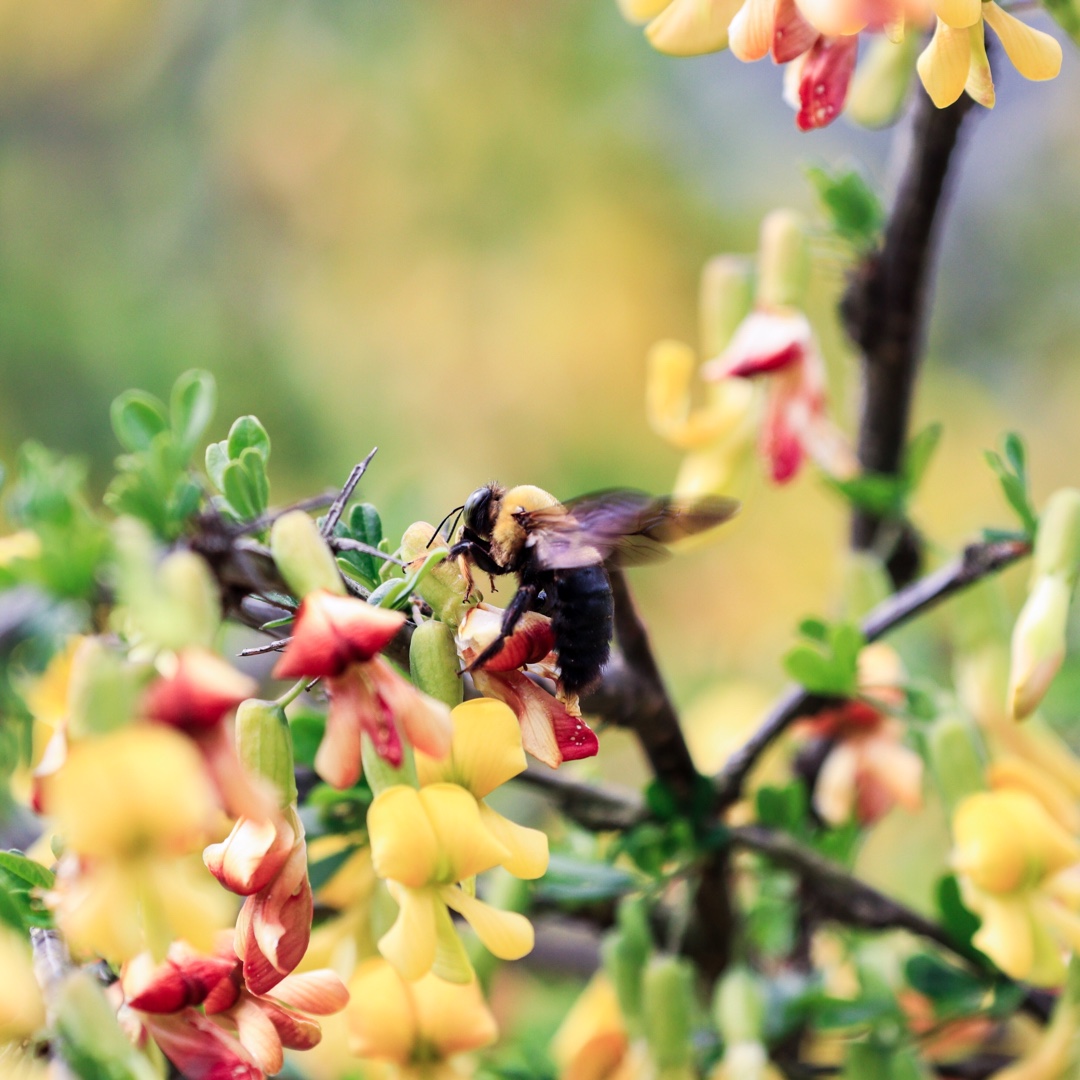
<point>834,793</point>
<point>380,1017</point>
<point>94,912</point>
<point>1035,55</point>
<point>466,848</point>
<point>752,29</point>
<point>692,27</point>
<point>191,904</point>
<point>453,1018</point>
<point>116,793</point>
<point>833,17</point>
<point>506,934</point>
<point>485,749</point>
<point>641,11</point>
<point>944,63</point>
<point>528,847</point>
<point>958,14</point>
<point>452,963</point>
<point>980,80</point>
<point>669,367</point>
<point>404,846</point>
<point>22,1010</point>
<point>410,943</point>
<point>1005,934</point>
<point>593,1031</point>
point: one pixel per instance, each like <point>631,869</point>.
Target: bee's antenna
<point>457,510</point>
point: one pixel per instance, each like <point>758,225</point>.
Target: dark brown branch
<point>977,561</point>
<point>884,309</point>
<point>640,700</point>
<point>592,806</point>
<point>848,900</point>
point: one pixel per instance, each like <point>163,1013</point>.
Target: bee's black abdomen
<point>582,621</point>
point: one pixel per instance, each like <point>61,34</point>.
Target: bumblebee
<point>561,553</point>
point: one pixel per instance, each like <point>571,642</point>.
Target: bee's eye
<point>477,506</point>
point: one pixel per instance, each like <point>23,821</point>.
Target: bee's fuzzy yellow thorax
<point>507,535</point>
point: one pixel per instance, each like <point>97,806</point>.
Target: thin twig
<point>592,806</point>
<point>271,646</point>
<point>333,515</point>
<point>977,562</point>
<point>344,543</point>
<point>313,502</point>
<point>848,900</point>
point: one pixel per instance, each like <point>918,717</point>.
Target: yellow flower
<point>955,60</point>
<point>22,1011</point>
<point>1016,868</point>
<point>485,752</point>
<point>418,1026</point>
<point>425,844</point>
<point>134,807</point>
<point>592,1043</point>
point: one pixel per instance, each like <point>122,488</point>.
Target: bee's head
<point>481,508</point>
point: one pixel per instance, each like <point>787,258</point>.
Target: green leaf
<point>784,808</point>
<point>319,873</point>
<point>1012,475</point>
<point>815,629</point>
<point>1016,455</point>
<point>12,910</point>
<point>569,879</point>
<point>955,916</point>
<point>34,874</point>
<point>136,418</point>
<point>853,209</point>
<point>254,466</point>
<point>247,433</point>
<point>307,732</point>
<point>876,493</point>
<point>238,490</point>
<point>194,397</point>
<point>950,988</point>
<point>847,641</point>
<point>918,454</point>
<point>217,459</point>
<point>819,674</point>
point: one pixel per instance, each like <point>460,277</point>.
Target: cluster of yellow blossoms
<point>818,41</point>
<point>154,753</point>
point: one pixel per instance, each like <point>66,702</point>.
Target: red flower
<point>338,638</point>
<point>204,1046</point>
<point>551,731</point>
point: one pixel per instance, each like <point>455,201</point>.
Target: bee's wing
<point>618,527</point>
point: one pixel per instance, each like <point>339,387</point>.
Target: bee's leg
<point>468,552</point>
<point>524,600</point>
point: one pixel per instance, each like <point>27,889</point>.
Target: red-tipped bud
<point>331,632</point>
<point>185,978</point>
<point>251,856</point>
<point>199,693</point>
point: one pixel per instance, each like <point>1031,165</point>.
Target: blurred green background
<point>453,230</point>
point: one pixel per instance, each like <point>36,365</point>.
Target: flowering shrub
<point>269,767</point>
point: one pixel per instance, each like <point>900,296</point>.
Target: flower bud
<point>625,951</point>
<point>442,587</point>
<point>187,581</point>
<point>1057,544</point>
<point>264,743</point>
<point>956,758</point>
<point>724,300</point>
<point>667,997</point>
<point>104,689</point>
<point>91,1041</point>
<point>303,556</point>
<point>380,773</point>
<point>880,85</point>
<point>739,1006</point>
<point>1038,643</point>
<point>783,261</point>
<point>434,664</point>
